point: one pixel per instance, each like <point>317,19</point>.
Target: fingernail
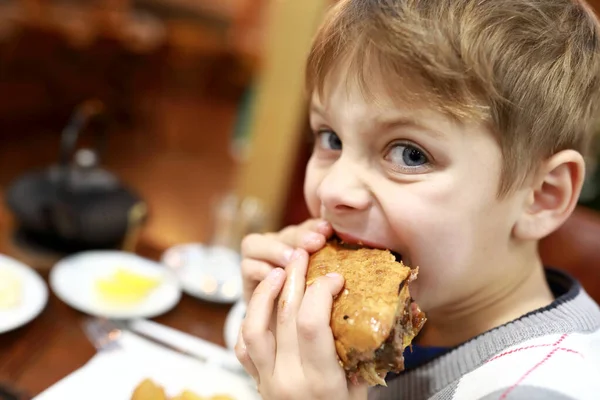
<point>334,275</point>
<point>312,238</point>
<point>323,225</point>
<point>288,254</point>
<point>297,254</point>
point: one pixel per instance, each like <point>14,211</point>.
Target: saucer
<point>209,273</point>
<point>74,280</point>
<point>32,296</point>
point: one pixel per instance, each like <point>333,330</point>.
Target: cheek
<point>311,185</point>
<point>447,234</point>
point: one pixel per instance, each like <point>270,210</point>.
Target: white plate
<point>115,374</point>
<point>74,277</point>
<point>34,296</point>
<point>233,323</point>
<point>208,273</point>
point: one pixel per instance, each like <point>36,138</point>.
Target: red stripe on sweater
<point>555,349</point>
<point>526,374</point>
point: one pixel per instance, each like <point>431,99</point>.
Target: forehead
<point>343,86</point>
<point>377,87</point>
<point>344,102</point>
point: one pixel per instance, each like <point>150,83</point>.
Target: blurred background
<point>129,123</point>
<point>143,102</point>
<point>164,128</point>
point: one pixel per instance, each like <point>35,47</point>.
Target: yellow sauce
<point>125,287</point>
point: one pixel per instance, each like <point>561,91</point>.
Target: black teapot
<point>75,205</point>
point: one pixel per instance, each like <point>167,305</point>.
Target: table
<point>34,357</point>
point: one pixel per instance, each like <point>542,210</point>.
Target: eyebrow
<point>388,124</point>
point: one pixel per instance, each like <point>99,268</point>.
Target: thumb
<point>334,282</point>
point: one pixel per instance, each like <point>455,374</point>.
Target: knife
<point>184,343</point>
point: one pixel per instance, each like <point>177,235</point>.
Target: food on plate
<point>374,318</point>
<point>187,395</point>
<point>149,390</point>
<point>11,289</point>
<point>126,287</point>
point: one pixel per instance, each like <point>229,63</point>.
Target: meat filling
<point>390,356</point>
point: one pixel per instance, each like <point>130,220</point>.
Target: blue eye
<point>407,155</point>
<point>328,140</point>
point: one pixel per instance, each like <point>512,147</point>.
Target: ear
<point>552,196</point>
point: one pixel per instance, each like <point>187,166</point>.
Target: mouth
<point>354,242</point>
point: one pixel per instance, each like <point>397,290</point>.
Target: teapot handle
<point>84,114</point>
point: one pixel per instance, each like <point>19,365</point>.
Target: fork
<point>105,334</point>
<point>102,333</point>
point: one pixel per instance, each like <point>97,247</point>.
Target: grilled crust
<point>364,313</point>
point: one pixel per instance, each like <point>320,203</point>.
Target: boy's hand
<point>263,252</point>
<point>297,359</point>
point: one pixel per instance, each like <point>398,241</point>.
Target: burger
<point>374,317</point>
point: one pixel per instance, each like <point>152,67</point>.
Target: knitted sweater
<point>551,354</point>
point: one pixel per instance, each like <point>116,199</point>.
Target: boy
<point>451,132</point>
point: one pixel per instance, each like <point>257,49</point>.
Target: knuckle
<point>241,353</point>
<point>308,328</point>
<point>248,243</point>
<point>251,337</point>
<point>250,270</point>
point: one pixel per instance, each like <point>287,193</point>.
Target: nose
<point>343,190</point>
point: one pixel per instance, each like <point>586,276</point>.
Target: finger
<point>289,304</point>
<point>308,236</point>
<point>253,272</point>
<point>315,338</point>
<point>241,352</point>
<point>259,340</point>
<point>266,248</point>
<point>318,225</point>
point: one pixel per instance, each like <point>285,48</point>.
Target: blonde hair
<point>527,68</point>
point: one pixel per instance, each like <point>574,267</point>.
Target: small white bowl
<point>211,274</point>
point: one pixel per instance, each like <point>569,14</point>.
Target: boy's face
<point>407,178</point>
